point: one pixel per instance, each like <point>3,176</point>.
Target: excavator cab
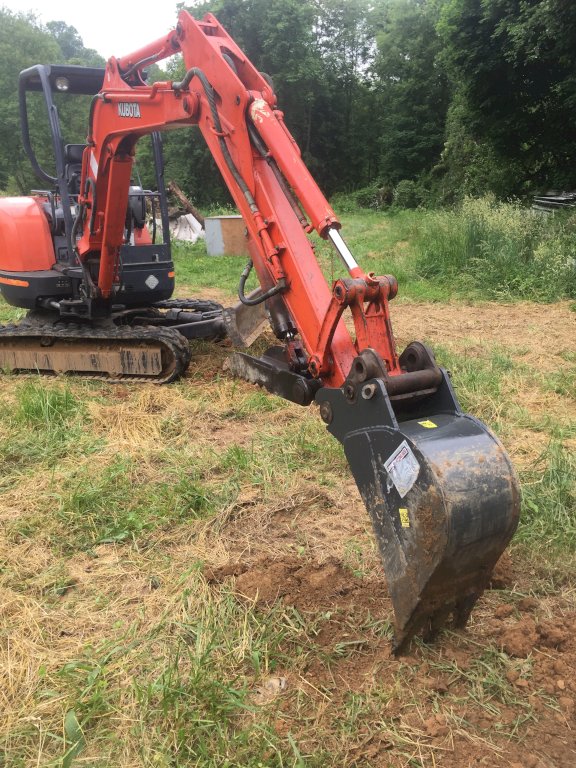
<point>147,270</point>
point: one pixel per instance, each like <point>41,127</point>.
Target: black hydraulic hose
<point>280,286</point>
<point>265,154</point>
<point>138,65</point>
<point>77,221</point>
<point>209,91</point>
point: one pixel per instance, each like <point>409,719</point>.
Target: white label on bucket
<point>402,468</point>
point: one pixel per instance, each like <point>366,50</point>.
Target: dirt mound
<point>304,585</point>
<point>503,575</point>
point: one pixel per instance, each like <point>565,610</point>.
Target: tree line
<point>423,100</point>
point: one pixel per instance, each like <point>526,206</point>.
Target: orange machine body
<point>25,239</point>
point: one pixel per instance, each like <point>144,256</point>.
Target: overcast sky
<point>111,27</point>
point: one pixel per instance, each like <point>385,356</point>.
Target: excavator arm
<point>439,488</point>
<point>235,109</point>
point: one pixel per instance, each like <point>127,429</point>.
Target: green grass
<point>46,423</point>
<point>379,241</point>
<point>44,409</point>
<point>191,697</point>
<point>549,501</point>
<point>562,382</point>
<point>195,268</point>
<point>92,505</point>
<point>482,250</point>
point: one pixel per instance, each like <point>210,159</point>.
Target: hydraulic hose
<point>209,91</point>
<point>280,285</point>
<point>263,152</point>
<point>77,222</point>
<point>138,65</point>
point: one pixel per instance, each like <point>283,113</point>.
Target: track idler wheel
<point>441,493</point>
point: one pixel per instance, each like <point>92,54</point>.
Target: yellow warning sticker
<point>428,424</point>
<point>404,519</point>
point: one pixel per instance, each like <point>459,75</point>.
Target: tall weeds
<point>498,250</point>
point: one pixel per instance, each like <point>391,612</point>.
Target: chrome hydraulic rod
<point>343,250</point>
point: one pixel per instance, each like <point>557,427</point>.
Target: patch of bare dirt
<point>319,522</point>
<point>534,333</point>
<point>224,297</point>
<point>540,339</point>
<point>429,702</point>
<point>308,586</point>
<point>428,699</point>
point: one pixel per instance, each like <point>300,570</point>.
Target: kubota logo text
<point>128,109</point>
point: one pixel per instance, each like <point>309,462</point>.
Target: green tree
<point>317,53</point>
<point>413,90</point>
<point>278,38</point>
<point>343,145</point>
<point>514,63</point>
<point>23,43</point>
<point>71,45</point>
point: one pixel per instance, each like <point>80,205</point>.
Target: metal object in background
<point>225,236</point>
<point>554,202</point>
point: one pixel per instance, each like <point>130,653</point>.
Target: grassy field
<point>188,578</point>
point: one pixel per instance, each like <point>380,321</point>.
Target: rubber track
<point>190,305</point>
<point>173,342</point>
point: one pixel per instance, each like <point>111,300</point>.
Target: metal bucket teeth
<point>442,496</point>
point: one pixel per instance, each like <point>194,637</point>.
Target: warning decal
<point>404,518</point>
<point>402,468</point>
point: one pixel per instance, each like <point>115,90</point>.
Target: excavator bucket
<point>440,491</point>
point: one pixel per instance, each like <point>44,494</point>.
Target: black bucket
<point>441,492</point>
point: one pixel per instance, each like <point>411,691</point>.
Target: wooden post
<point>175,189</point>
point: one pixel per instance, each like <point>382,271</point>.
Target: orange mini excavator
<point>439,488</point>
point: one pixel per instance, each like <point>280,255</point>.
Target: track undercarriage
<point>141,345</point>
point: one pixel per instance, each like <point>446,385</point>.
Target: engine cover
<point>25,238</point>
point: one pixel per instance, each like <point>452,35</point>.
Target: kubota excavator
<point>439,488</point>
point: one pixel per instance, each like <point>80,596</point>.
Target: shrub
<point>375,196</point>
<point>407,194</point>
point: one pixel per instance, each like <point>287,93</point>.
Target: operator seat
<point>73,166</point>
